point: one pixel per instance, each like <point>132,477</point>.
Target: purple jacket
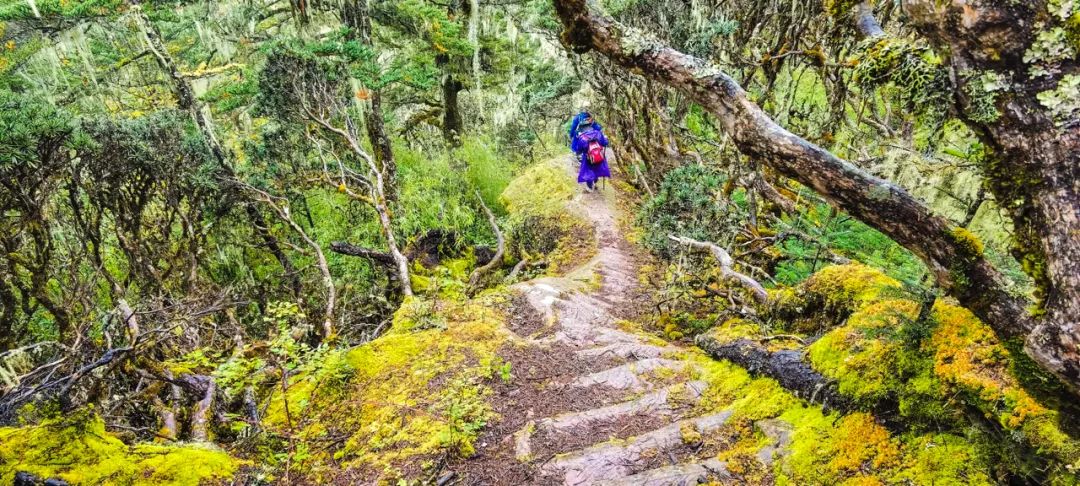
<point>580,146</point>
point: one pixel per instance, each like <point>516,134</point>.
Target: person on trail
<point>590,144</point>
<point>580,121</point>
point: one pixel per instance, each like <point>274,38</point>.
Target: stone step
<point>627,350</point>
<point>665,403</point>
<point>708,471</point>
<point>629,376</point>
<point>622,458</point>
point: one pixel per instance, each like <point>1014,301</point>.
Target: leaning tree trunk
<point>952,255</point>
<point>1034,170</point>
<point>356,15</point>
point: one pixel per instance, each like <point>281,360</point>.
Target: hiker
<point>589,143</point>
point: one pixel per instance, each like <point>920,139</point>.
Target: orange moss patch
<point>969,359</point>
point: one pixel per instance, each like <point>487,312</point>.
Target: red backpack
<point>596,153</point>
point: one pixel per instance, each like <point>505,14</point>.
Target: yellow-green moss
<point>861,363</point>
<point>541,220</point>
<point>79,450</point>
<point>970,245</point>
<point>829,296</point>
<point>839,8</point>
<point>832,448</point>
<point>415,392</point>
<point>543,189</point>
<point>969,359</point>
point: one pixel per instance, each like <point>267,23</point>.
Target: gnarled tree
<point>1035,156</point>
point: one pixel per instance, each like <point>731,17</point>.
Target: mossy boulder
<point>77,449</point>
<point>828,297</point>
<point>543,223</point>
<point>418,391</point>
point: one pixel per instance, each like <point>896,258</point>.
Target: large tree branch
<point>1032,165</point>
<point>954,258</point>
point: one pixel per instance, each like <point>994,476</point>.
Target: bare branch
<point>496,260</point>
<point>726,263</point>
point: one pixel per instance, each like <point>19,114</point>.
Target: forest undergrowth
<point>342,242</point>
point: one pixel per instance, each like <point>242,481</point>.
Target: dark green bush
<point>690,203</point>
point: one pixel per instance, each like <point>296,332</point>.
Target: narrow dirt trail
<point>593,400</point>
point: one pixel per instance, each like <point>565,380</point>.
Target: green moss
<point>971,247</point>
<point>543,225</point>
<point>839,8</point>
<point>918,76</point>
<point>542,189</point>
<point>829,296</point>
<point>941,459</point>
<point>79,450</point>
<point>413,393</point>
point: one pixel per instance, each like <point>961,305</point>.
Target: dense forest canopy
<point>296,242</point>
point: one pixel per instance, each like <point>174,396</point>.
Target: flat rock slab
<point>711,470</point>
<point>619,459</point>
<point>629,375</point>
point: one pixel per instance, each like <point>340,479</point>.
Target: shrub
<point>690,203</point>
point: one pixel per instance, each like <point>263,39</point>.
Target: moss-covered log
<point>785,366</point>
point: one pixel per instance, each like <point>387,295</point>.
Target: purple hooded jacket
<point>580,146</point>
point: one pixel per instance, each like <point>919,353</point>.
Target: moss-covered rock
<point>418,391</point>
<point>77,449</point>
<point>543,225</point>
<point>828,297</point>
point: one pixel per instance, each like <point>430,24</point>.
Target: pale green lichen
<point>983,90</point>
<point>1064,100</point>
<point>1051,46</point>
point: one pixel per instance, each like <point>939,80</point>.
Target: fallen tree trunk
<point>380,257</point>
<point>786,367</point>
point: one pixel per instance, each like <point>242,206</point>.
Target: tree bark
<point>453,124</point>
<point>1034,168</point>
<point>200,413</point>
<point>955,260</point>
<point>380,257</point>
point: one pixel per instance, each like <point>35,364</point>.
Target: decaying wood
<point>786,367</point>
<point>726,266</point>
<point>200,414</point>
